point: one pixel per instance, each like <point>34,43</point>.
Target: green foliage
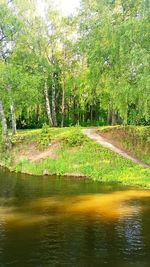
<point>75,137</point>
<point>45,137</point>
<point>118,56</point>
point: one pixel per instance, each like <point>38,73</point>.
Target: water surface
<point>67,222</point>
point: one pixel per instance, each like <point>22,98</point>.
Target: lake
<point>53,221</point>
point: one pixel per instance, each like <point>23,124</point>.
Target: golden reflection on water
<point>108,207</point>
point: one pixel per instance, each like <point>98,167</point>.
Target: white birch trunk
<point>63,103</point>
<point>48,108</point>
<point>63,91</point>
<point>53,103</point>
<point>53,93</point>
<point>12,111</point>
<point>13,117</point>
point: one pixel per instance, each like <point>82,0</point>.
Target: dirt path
<point>102,141</point>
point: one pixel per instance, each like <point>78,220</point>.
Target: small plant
<point>45,129</point>
<point>75,137</point>
<point>45,137</point>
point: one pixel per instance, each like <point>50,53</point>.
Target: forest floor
<point>70,152</point>
<point>91,133</point>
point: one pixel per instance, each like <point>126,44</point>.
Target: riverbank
<point>69,152</point>
<point>133,139</point>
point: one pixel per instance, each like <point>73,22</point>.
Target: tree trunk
<point>113,122</point>
<point>63,90</point>
<point>109,115</point>
<point>4,126</point>
<point>37,113</point>
<point>91,113</point>
<point>119,120</point>
<point>53,93</point>
<point>48,108</point>
<point>13,117</point>
<point>12,111</point>
<point>63,103</point>
<point>53,104</point>
<point>74,105</point>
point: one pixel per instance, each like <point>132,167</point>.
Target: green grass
<point>135,139</point>
<point>79,155</point>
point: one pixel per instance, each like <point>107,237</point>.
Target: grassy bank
<point>133,139</point>
<point>68,151</point>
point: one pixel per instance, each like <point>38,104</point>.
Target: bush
<point>45,137</point>
<point>75,137</point>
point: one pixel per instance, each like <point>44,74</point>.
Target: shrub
<point>75,137</point>
<point>45,137</point>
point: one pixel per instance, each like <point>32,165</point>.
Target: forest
<point>90,68</point>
